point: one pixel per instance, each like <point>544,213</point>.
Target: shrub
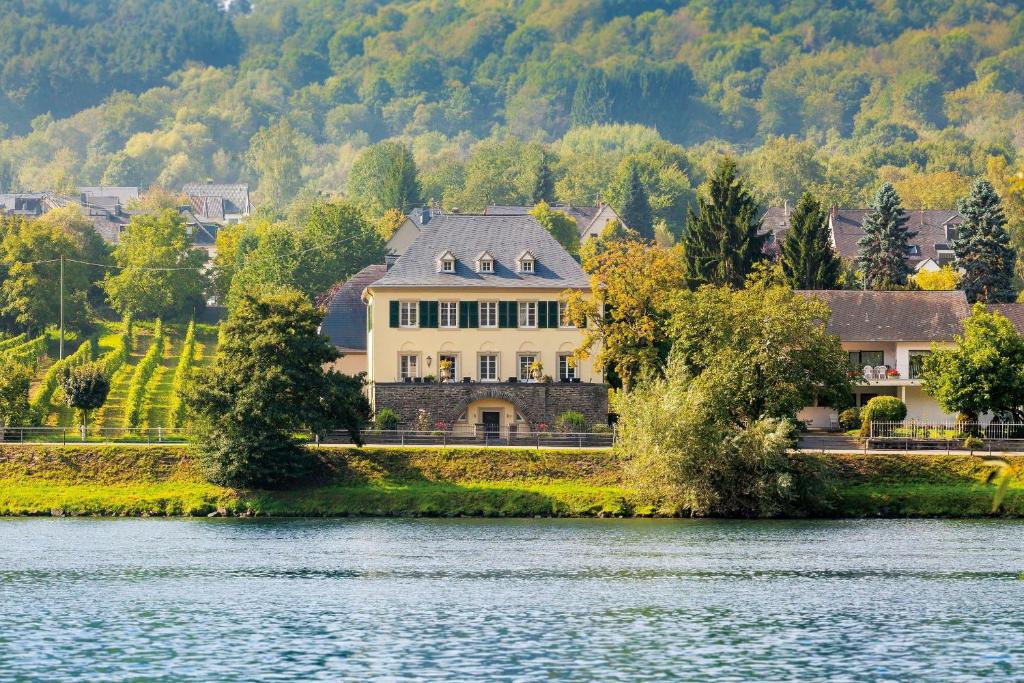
<point>27,353</point>
<point>850,419</point>
<point>12,342</point>
<point>600,428</point>
<point>140,378</point>
<point>386,419</point>
<point>882,409</point>
<point>186,364</point>
<point>972,443</point>
<point>85,387</point>
<point>118,356</point>
<point>571,421</point>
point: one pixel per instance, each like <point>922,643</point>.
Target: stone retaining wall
<point>535,402</point>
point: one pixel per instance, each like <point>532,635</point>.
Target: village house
<point>104,206</point>
<point>931,247</point>
<point>210,206</point>
<point>887,336</point>
<point>468,326</point>
<point>590,220</point>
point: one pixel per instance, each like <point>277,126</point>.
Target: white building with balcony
<point>887,336</point>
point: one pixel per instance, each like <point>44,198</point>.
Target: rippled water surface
<point>601,600</point>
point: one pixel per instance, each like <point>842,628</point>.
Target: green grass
<point>161,480</point>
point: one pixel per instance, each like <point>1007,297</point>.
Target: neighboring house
<point>345,318</point>
<point>480,295</point>
<point>103,206</point>
<point>894,331</point>
<point>209,207</point>
<point>416,222</point>
<point>590,220</point>
<point>930,249</point>
<point>23,203</point>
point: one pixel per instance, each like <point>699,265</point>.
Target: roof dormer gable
<point>485,262</point>
<point>446,262</point>
<point>526,262</point>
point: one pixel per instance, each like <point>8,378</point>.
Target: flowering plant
<point>892,372</point>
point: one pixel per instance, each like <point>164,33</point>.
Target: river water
<point>530,600</point>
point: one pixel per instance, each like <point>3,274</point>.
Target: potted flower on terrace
<point>444,370</point>
<point>536,370</point>
<point>892,373</point>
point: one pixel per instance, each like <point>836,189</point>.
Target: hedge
<point>44,394</point>
<point>118,356</point>
<point>27,353</point>
<point>12,342</point>
<point>140,378</point>
<point>186,364</point>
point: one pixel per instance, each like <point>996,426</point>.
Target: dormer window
<point>485,263</point>
<point>950,233</point>
<point>913,250</point>
<point>446,262</point>
<point>527,262</point>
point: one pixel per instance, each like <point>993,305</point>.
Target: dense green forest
<point>834,97</point>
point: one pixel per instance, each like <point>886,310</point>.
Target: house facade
<point>887,336</point>
<point>468,326</point>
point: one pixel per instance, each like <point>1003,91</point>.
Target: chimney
<point>425,216</point>
<point>835,212</point>
<point>389,260</point>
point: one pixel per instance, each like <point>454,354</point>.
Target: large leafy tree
<point>275,154</point>
<point>982,248</point>
<point>561,225</point>
<point>267,384</point>
<point>723,238</point>
<point>159,274</point>
<point>983,372</point>
<point>807,257</point>
<point>30,292</point>
<point>384,177</point>
<point>628,309</point>
<point>769,342</point>
<point>886,242</point>
<point>85,388</point>
<point>634,206</point>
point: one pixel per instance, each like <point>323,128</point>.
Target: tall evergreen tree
<point>544,184</point>
<point>807,257</point>
<point>635,207</point>
<point>982,247</point>
<point>886,242</point>
<point>723,239</point>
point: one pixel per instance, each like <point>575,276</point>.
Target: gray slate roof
<point>345,319</point>
<point>212,201</point>
<point>469,235</point>
<point>930,227</point>
<point>583,215</point>
<point>123,193</point>
<point>866,316</point>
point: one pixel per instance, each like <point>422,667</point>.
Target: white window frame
<point>448,265</point>
<point>523,372</point>
<point>524,306</point>
<point>487,305</point>
<point>479,366</point>
<point>563,320</point>
<point>526,265</point>
<point>403,359</point>
<point>453,309</point>
<point>455,364</point>
<point>570,369</point>
<point>486,265</point>
<point>409,314</point>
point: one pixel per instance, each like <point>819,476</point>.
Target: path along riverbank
<point>127,480</point>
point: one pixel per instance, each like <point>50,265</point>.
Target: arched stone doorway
<point>493,416</point>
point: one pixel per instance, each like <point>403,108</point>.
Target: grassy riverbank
<point>125,480</point>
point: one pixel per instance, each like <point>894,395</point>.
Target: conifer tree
<point>635,208</point>
<point>886,242</point>
<point>982,247</point>
<point>807,257</point>
<point>723,238</point>
<point>544,184</point>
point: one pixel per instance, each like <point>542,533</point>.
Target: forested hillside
<point>830,96</point>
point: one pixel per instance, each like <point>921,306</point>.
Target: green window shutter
<point>464,314</point>
<point>393,313</point>
<point>424,314</point>
<point>513,314</point>
<point>553,320</point>
<point>474,314</point>
<point>502,314</point>
<point>433,307</point>
<point>542,314</point>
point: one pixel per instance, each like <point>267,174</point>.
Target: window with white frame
<point>488,314</point>
<point>449,313</point>
<point>448,265</point>
<point>486,264</point>
<point>447,366</point>
<point>527,265</point>
<point>488,367</point>
<point>563,315</point>
<point>408,365</point>
<point>526,361</point>
<point>408,314</point>
<point>566,366</point>
<point>527,314</point>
